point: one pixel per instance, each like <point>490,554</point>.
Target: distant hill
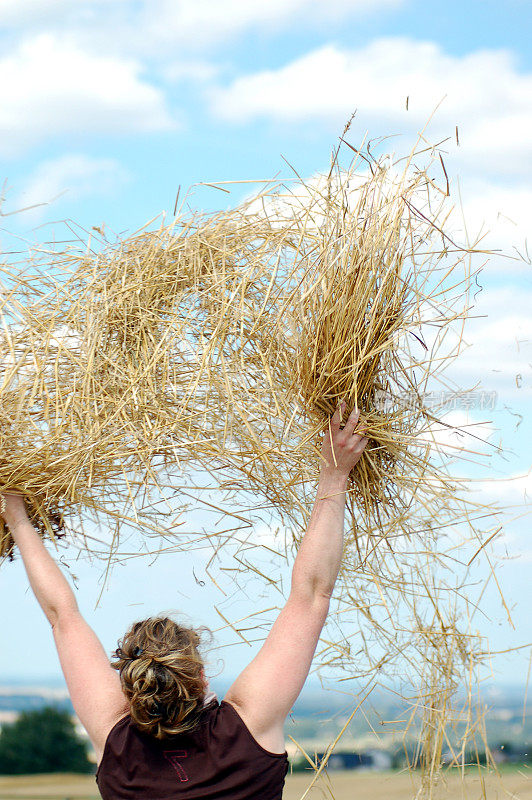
<point>31,698</point>
<point>318,714</point>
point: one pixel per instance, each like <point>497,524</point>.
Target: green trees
<point>42,741</point>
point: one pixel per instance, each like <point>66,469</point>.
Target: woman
<point>156,731</point>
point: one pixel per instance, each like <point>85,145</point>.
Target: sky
<point>107,109</point>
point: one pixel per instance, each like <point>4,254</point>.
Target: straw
<point>220,345</point>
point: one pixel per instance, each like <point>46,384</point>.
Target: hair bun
<point>161,672</point>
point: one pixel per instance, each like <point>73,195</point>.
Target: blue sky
<point>107,107</point>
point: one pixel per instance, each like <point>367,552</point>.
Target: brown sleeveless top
<point>219,760</point>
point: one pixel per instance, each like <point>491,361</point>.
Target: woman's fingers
<point>351,423</point>
<point>11,502</point>
<point>342,447</point>
<point>337,416</point>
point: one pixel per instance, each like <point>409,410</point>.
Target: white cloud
<point>484,93</point>
<point>271,536</point>
<point>497,347</point>
<point>456,431</point>
<point>48,86</point>
<point>35,13</point>
<point>199,71</point>
<point>502,214</point>
<point>16,12</point>
<point>195,23</point>
<point>76,175</point>
<point>513,490</point>
<point>154,28</point>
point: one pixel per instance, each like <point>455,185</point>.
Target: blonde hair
<point>161,672</point>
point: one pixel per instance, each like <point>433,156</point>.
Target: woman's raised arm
<point>94,686</point>
<point>264,693</point>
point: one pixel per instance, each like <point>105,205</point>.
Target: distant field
<point>516,785</point>
<point>394,786</point>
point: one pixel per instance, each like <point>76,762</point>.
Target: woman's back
<point>218,759</point>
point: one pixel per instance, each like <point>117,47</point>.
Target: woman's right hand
<point>12,508</point>
<point>348,443</point>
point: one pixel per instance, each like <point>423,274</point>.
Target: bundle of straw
<point>223,343</point>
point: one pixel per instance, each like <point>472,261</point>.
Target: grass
<point>514,783</point>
